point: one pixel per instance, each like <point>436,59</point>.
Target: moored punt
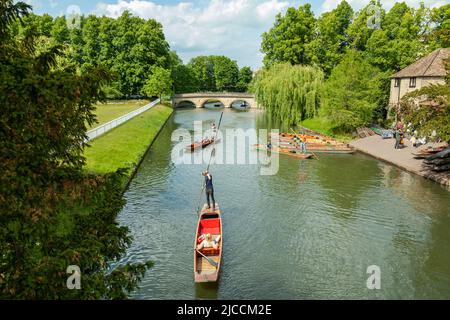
<point>428,152</point>
<point>314,144</point>
<point>292,153</point>
<point>316,139</point>
<point>207,260</point>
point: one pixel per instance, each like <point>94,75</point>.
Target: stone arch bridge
<point>199,99</point>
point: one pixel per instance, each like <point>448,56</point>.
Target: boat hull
<point>196,146</point>
<point>209,222</point>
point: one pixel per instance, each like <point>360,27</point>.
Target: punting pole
<point>209,163</point>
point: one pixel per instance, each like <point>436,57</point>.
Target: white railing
<point>98,131</point>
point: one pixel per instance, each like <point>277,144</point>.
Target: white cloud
<point>329,5</point>
<point>229,27</point>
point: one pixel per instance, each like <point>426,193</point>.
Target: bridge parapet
<point>227,98</point>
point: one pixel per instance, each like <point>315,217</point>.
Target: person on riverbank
<point>209,189</point>
<point>398,137</point>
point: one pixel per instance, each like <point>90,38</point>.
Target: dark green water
<point>308,232</point>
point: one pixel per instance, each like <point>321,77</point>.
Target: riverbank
<point>383,149</point>
<point>124,146</point>
<point>323,126</point>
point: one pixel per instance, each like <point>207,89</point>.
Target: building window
<point>397,82</point>
<point>412,82</point>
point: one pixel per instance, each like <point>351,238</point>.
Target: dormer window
<point>397,82</point>
<point>412,82</point>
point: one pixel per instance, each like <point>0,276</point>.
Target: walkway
<point>383,149</point>
<point>102,129</point>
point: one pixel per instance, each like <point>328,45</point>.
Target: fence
<point>98,131</point>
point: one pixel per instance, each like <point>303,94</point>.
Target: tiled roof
<point>429,66</point>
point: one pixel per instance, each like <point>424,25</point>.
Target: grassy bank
<point>323,125</point>
<point>125,145</point>
<point>109,111</point>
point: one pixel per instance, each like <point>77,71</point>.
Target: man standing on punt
<point>209,189</point>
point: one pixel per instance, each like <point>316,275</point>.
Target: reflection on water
<point>207,291</point>
<point>308,232</point>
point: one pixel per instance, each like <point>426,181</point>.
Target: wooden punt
<point>207,260</point>
<point>292,153</point>
<point>315,139</point>
<point>317,147</point>
<point>200,145</point>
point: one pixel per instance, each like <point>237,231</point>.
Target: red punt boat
<point>200,145</point>
<point>207,260</point>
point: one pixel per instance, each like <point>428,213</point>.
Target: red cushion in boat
<point>211,230</point>
<point>208,223</point>
<point>211,226</point>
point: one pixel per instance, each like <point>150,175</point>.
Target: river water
<point>308,232</point>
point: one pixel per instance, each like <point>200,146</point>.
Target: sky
<point>207,27</point>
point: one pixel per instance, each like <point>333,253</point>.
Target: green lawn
<point>108,111</point>
<point>124,145</point>
<point>322,125</point>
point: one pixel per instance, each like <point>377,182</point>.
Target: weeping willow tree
<point>289,93</point>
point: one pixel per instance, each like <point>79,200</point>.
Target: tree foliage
<point>159,83</point>
<point>428,110</point>
<point>286,40</point>
<point>218,73</point>
<point>350,95</point>
<point>128,46</point>
<point>245,78</point>
<point>331,38</point>
<point>52,213</point>
<point>289,93</point>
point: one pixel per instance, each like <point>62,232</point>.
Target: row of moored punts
<point>291,144</point>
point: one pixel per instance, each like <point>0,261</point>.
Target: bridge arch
<point>185,104</point>
<point>215,101</point>
<point>247,103</point>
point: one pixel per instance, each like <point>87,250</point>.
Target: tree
<point>289,93</point>
<point>91,42</point>
<point>364,24</point>
<point>245,78</point>
<point>184,79</point>
<point>203,68</point>
<point>226,73</point>
<point>440,35</point>
<point>136,46</point>
<point>159,83</point>
<point>286,40</point>
<point>399,42</point>
<point>331,39</point>
<point>428,109</point>
<point>52,213</point>
<point>60,32</point>
<point>351,94</point>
